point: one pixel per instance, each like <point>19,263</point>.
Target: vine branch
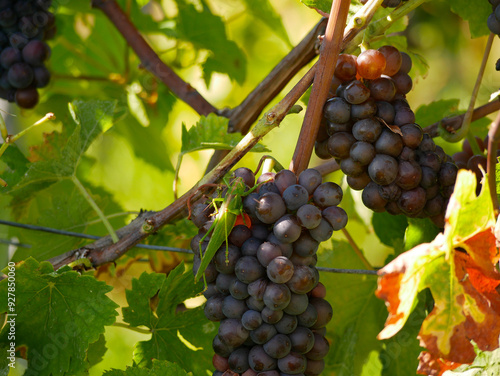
<point>493,139</point>
<point>150,60</point>
<point>329,52</point>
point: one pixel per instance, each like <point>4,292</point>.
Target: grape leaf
<point>17,165</point>
<point>160,368</point>
<point>206,30</point>
<point>358,317</point>
<point>176,336</point>
<point>91,117</point>
<point>211,133</point>
<point>322,5</point>
<point>428,114</point>
<point>419,230</point>
<point>390,229</point>
<point>487,363</point>
<point>476,12</point>
<point>58,316</point>
<point>263,10</point>
<point>458,267</point>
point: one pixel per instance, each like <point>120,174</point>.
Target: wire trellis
<point>144,246</point>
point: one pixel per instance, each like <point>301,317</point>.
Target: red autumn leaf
<point>459,269</point>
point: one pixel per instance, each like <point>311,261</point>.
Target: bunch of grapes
<point>24,27</point>
<point>263,286</point>
<point>370,129</point>
<point>388,3</point>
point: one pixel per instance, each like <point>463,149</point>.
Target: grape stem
<point>456,121</point>
<point>135,329</point>
<point>329,53</point>
<point>463,131</point>
<point>356,249</point>
<point>150,60</point>
<point>493,139</point>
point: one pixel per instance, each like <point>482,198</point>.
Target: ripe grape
<point>356,92</point>
<point>383,169</point>
<point>287,229</point>
<point>295,196</point>
<point>310,179</point>
<point>259,360</point>
<point>327,194</point>
<point>270,207</point>
<point>345,68</point>
<point>393,59</point>
<point>238,360</point>
<point>280,270</point>
<point>251,319</point>
<point>294,363</point>
<point>370,64</point>
<point>337,110</point>
<point>278,347</point>
<point>302,340</point>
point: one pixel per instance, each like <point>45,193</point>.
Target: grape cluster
<point>370,129</point>
<point>24,27</point>
<point>265,290</point>
<point>388,3</point>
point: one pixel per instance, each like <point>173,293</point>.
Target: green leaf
<point>476,12</point>
<point>91,118</point>
<point>58,316</point>
<point>263,10</point>
<point>207,31</point>
<point>17,165</point>
<point>322,5</point>
<point>487,363</point>
<point>390,229</point>
<point>160,368</point>
<point>96,351</point>
<point>211,133</point>
<point>358,317</point>
<point>400,353</point>
<point>419,231</point>
<point>136,106</point>
<point>428,114</point>
<point>183,337</point>
<point>4,361</point>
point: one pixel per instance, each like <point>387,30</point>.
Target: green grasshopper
<point>225,218</point>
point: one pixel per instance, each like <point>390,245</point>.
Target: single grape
<point>221,348</point>
<point>26,98</point>
<point>271,316</point>
<point>310,179</point>
<point>413,201</point>
<point>238,360</point>
<point>309,216</point>
<point>259,361</point>
<point>393,59</point>
<point>248,269</point>
<point>287,324</point>
<point>412,135</point>
<point>332,128</point>
<point>298,304</point>
<point>305,245</point>
<point>340,144</point>
<point>390,192</point>
<point>232,333</point>
<point>328,194</point>
<point>302,340</point>
<point>429,177</point>
<point>325,312</point>
<point>251,319</point>
<point>287,229</point>
<point>257,288</point>
<point>10,56</point>
<point>430,160</point>
<point>294,363</point>
<point>370,64</point>
<point>250,246</point>
<point>383,89</point>
<point>226,257</point>
<point>434,206</point>
<point>409,175</point>
<point>277,296</point>
<point>448,174</point>
<point>351,167</point>
<point>386,112</point>
<point>323,232</point>
<point>263,333</point>
<point>20,75</point>
<point>213,308</point>
<point>278,347</point>
<point>356,92</point>
<point>304,279</point>
<point>367,130</point>
<point>358,182</point>
<point>36,52</point>
<point>404,116</point>
<point>270,208</point>
<point>238,289</point>
<point>319,291</point>
<point>389,143</point>
<point>309,317</point>
<point>372,198</point>
<point>280,270</point>
<point>402,83</point>
<point>295,196</point>
<point>233,308</point>
<point>336,217</point>
<point>383,169</point>
<point>223,281</point>
<point>220,363</point>
<point>315,367</point>
<point>285,179</point>
<point>406,63</point>
<point>286,248</point>
<point>319,349</point>
<point>337,110</point>
<point>345,68</point>
<point>364,110</point>
<point>362,153</point>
